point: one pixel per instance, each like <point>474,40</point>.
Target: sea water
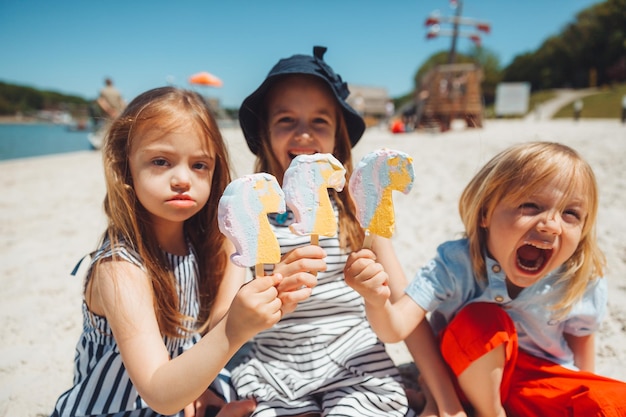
<point>28,140</point>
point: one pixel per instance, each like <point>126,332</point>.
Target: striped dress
<point>101,384</point>
<point>324,355</point>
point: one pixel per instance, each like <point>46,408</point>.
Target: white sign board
<point>512,98</point>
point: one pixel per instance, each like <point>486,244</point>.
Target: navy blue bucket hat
<point>250,113</point>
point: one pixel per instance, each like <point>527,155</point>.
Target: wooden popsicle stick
<point>259,270</point>
<point>367,241</point>
<point>315,240</point>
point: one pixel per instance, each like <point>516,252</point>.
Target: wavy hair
<point>129,222</point>
<point>510,176</point>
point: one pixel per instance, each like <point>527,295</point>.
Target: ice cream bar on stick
<point>370,185</point>
<point>242,217</point>
<point>306,184</point>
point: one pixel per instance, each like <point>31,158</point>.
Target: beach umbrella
<point>206,79</point>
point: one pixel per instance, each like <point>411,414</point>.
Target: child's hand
<point>256,307</point>
<point>239,408</point>
<point>210,402</point>
<point>298,281</point>
<point>207,401</point>
<point>367,277</point>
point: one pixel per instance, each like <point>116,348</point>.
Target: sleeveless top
<point>102,386</point>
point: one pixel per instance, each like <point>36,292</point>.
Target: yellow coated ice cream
<point>242,218</point>
<point>371,184</point>
<point>306,184</point>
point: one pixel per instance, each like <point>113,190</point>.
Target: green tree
<point>595,43</point>
<point>492,71</point>
<point>26,100</point>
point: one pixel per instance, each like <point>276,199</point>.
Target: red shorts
<point>530,386</point>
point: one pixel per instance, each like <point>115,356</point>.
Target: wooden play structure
<point>449,92</point>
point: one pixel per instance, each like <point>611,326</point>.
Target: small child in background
<point>322,358</point>
<point>161,276</point>
<point>517,301</point>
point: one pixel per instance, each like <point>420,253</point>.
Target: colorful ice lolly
<point>306,184</point>
<point>371,183</point>
<point>242,217</point>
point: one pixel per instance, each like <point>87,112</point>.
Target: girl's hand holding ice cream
<point>298,268</point>
<point>256,307</point>
<point>367,277</point>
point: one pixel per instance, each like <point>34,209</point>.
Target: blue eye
<point>159,162</point>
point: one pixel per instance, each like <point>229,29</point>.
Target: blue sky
<point>70,46</point>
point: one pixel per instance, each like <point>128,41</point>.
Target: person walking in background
<point>322,358</point>
<point>110,99</point>
<point>578,109</point>
<point>517,301</point>
<point>624,108</point>
<point>161,316</point>
<point>106,108</point>
<point>390,110</point>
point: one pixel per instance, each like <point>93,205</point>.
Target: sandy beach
<point>51,216</point>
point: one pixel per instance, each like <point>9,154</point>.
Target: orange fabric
<point>470,335</point>
<point>540,387</point>
<point>530,386</point>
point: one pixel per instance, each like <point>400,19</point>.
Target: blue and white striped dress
<point>324,356</point>
<point>102,386</point>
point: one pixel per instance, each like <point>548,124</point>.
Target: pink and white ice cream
<point>242,217</point>
<point>306,184</point>
<point>371,183</point>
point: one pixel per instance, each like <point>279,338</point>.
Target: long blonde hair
<point>509,176</point>
<point>129,222</point>
<point>350,232</point>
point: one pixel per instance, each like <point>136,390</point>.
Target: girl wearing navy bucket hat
<point>322,357</point>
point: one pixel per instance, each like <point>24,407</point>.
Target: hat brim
<point>251,113</point>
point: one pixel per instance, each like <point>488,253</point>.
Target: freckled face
<point>301,118</point>
<point>171,172</point>
<point>531,238</point>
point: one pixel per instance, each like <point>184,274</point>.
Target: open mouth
<point>293,154</point>
<point>531,258</point>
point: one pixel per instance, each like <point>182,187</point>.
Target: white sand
<point>50,216</point>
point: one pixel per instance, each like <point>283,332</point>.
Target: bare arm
<point>421,342</point>
<point>123,292</point>
<point>584,351</point>
<point>106,107</point>
<point>386,256</point>
<point>425,351</point>
<point>391,322</point>
<point>234,278</point>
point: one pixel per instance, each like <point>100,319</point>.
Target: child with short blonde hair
<point>517,301</point>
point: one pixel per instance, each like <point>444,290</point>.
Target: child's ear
<point>483,219</point>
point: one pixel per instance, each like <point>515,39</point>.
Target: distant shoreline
<point>5,120</point>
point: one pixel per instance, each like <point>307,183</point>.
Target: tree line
<point>16,99</point>
<point>588,52</point>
